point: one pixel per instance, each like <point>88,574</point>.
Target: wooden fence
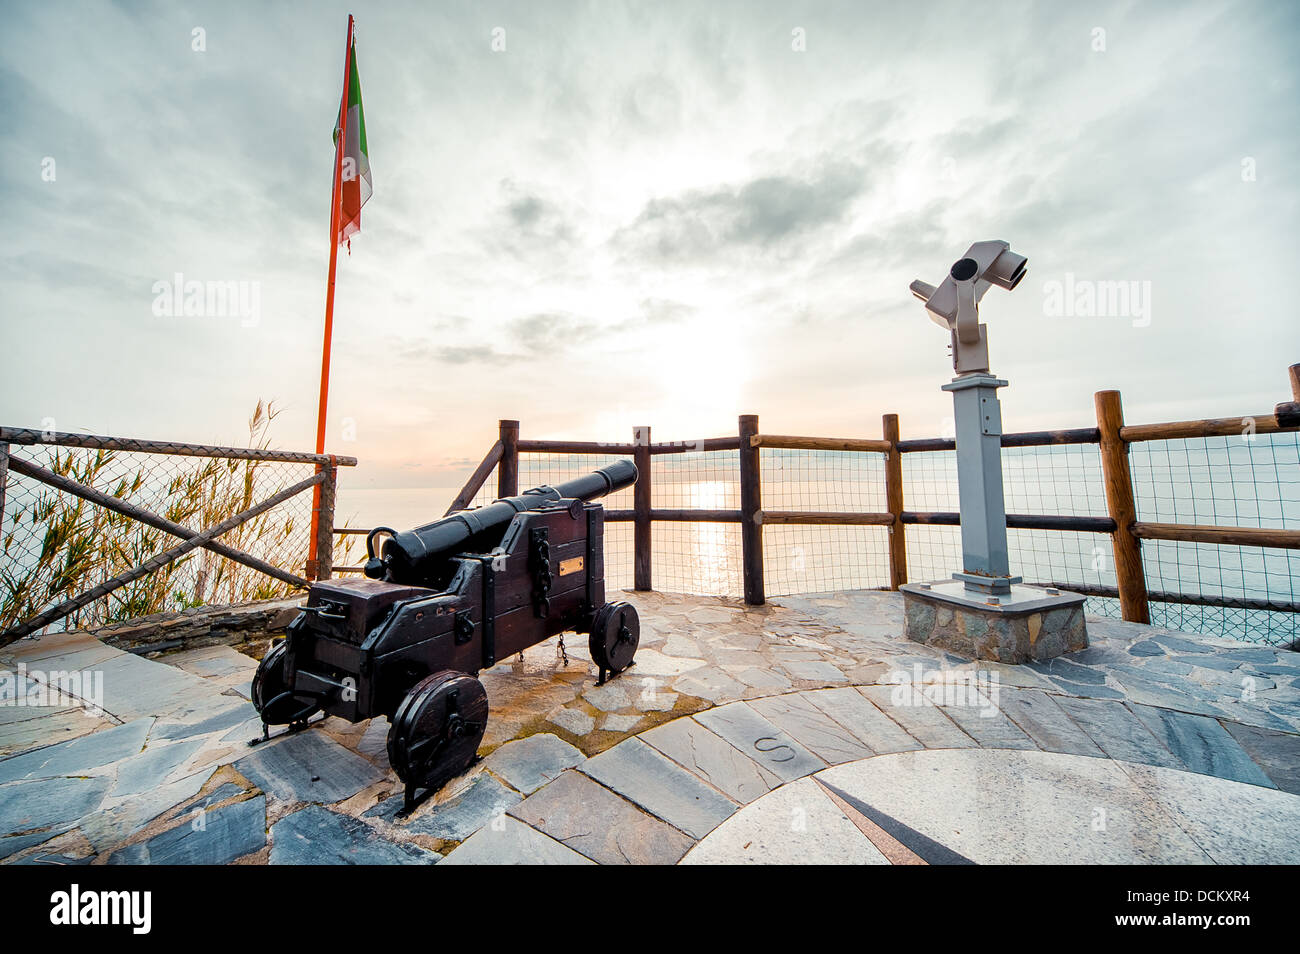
<point>1113,436</point>
<point>29,528</point>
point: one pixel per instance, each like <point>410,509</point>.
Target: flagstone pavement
<point>805,731</point>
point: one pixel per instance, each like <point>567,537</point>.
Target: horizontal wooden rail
<point>349,532</point>
<point>1230,536</point>
<point>705,445</point>
<point>575,447</point>
<point>786,442</point>
<point>1018,521</point>
<point>678,516</point>
<point>1211,427</point>
<point>1077,435</point>
<point>25,435</point>
<point>826,518</point>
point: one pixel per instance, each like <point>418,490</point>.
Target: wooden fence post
<point>894,504</point>
<point>642,504</point>
<point>1129,575</point>
<point>1295,382</point>
<point>325,527</point>
<point>508,468</point>
<point>751,512</point>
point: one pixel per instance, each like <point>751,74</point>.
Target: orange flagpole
<point>335,215</point>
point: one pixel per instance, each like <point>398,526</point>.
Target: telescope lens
<point>964,269</point>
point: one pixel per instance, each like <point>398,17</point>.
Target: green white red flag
<point>355,178</point>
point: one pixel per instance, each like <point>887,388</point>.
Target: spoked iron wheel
<point>436,731</point>
<point>615,634</point>
<point>272,697</point>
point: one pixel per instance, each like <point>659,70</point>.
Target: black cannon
<point>444,601</point>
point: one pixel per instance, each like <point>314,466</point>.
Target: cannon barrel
<point>408,554</point>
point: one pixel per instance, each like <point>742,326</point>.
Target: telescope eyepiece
<point>964,269</point>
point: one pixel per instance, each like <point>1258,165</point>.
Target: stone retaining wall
<point>201,626</point>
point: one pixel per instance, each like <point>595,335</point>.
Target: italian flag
<point>355,158</point>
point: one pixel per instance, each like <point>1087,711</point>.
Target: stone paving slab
<point>796,824</point>
<point>513,843</point>
<point>990,728</point>
<point>592,820</point>
<point>222,836</point>
<point>1277,753</point>
<point>214,661</point>
<point>859,716</point>
<point>1143,664</point>
<point>12,844</point>
<point>230,716</point>
<point>135,688</point>
<point>532,762</point>
<point>308,767</point>
<point>318,836</point>
<point>1202,745</point>
<point>40,858</point>
<point>145,771</point>
<point>456,818</point>
<point>1040,718</point>
<point>221,793</point>
<point>1233,823</point>
<point>25,727</point>
<point>756,737</point>
<point>923,720</point>
<point>69,651</point>
<point>813,728</point>
<point>110,827</point>
<point>712,758</point>
<point>642,775</point>
<point>48,803</point>
<point>1118,732</point>
<point>79,756</point>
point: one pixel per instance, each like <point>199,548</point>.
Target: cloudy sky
<point>639,213</point>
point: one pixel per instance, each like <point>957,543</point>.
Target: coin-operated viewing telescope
<point>988,613</point>
<point>954,305</point>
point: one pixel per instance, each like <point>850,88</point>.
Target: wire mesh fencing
<point>696,557</point>
<point>1245,480</point>
<point>1055,479</point>
<point>57,545</point>
<point>812,558</point>
<point>551,469</point>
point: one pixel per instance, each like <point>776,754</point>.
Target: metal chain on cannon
<point>540,548</point>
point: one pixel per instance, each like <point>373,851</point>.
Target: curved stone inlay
<point>1010,807</point>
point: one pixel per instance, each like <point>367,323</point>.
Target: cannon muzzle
<point>413,557</point>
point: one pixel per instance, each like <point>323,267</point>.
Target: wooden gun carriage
<point>445,601</point>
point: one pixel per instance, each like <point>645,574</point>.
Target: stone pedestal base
<point>1027,623</point>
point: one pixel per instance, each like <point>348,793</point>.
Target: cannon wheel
<point>615,634</point>
<point>271,696</point>
<point>436,731</point>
